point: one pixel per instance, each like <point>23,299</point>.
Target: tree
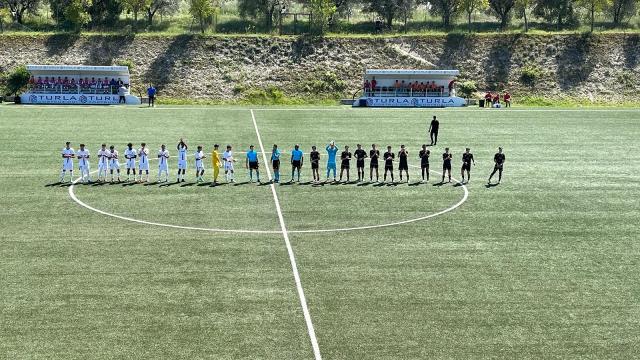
<point>75,13</point>
<point>17,8</point>
<point>265,8</point>
<point>386,9</point>
<point>593,7</point>
<point>162,7</point>
<point>104,12</point>
<point>322,11</point>
<point>521,8</point>
<point>202,10</point>
<point>447,9</point>
<point>136,6</point>
<point>621,10</point>
<point>502,9</point>
<point>560,12</point>
<point>471,6</point>
<point>4,17</point>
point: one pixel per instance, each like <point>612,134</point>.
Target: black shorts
<point>315,165</point>
<point>296,164</point>
<point>373,165</point>
<point>498,167</point>
<point>253,165</point>
<point>360,163</point>
<point>403,166</point>
<point>345,165</point>
<point>388,167</point>
<point>446,166</point>
<point>424,165</point>
<point>466,167</point>
<point>275,164</point>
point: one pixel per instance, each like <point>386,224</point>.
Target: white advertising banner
<point>76,99</point>
<point>415,101</point>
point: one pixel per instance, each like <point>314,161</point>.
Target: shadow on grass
<point>53,184</point>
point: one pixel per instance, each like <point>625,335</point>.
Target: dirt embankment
<point>602,67</point>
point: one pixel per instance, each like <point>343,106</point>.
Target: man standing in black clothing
<point>360,155</point>
<point>374,154</point>
<point>446,163</point>
<point>467,160</point>
<point>433,130</point>
<point>315,163</point>
<point>499,160</point>
<point>346,158</point>
<point>404,164</point>
<point>388,163</point>
<point>424,161</point>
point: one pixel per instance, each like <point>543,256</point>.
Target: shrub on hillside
<point>126,62</point>
<point>467,88</point>
<point>17,80</point>
<point>529,74</point>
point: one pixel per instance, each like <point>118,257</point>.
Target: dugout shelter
<point>78,85</point>
<point>409,88</point>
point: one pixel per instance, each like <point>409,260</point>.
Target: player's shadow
<point>130,183</point>
<point>381,184</point>
<point>417,183</point>
<point>265,183</point>
<point>394,184</point>
<point>186,184</point>
<point>288,183</point>
<point>458,184</point>
<point>214,184</point>
<point>169,184</point>
<point>99,184</point>
<point>66,185</point>
<point>305,183</point>
<point>366,183</point>
<point>489,186</point>
<point>151,183</point>
<point>439,184</point>
<point>205,184</point>
<point>241,183</point>
<point>319,184</point>
<point>53,184</point>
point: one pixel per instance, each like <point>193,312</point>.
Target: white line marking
<point>365,227</point>
<point>292,258</point>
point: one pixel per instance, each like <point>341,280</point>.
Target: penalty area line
<point>292,258</point>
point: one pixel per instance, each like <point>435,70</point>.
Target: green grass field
<point>545,265</point>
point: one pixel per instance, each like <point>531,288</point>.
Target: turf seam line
<point>292,258</point>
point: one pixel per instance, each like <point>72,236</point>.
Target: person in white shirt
<point>163,166</point>
<point>114,163</point>
<point>130,154</point>
<point>143,162</point>
<point>199,164</point>
<point>83,164</point>
<point>67,162</point>
<point>227,156</point>
<point>103,163</point>
<point>182,159</point>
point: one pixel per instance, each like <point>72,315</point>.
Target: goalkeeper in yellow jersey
<point>215,162</point>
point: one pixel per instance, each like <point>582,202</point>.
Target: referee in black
<point>433,130</point>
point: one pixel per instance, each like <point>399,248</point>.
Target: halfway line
<point>292,258</point>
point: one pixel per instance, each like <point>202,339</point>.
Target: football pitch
<point>544,265</point>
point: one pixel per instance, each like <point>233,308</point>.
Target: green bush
<point>467,88</point>
<point>126,62</point>
<point>327,83</point>
<point>529,74</point>
<point>17,80</point>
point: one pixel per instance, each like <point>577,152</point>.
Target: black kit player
<point>388,163</point>
<point>467,160</point>
<point>499,160</point>
<point>446,164</point>
<point>315,163</point>
<point>346,159</point>
<point>374,155</point>
<point>360,155</point>
<point>403,154</point>
<point>433,130</point>
<point>424,161</point>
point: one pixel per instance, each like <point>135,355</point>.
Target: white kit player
<point>130,154</point>
<point>67,162</point>
<point>83,164</point>
<point>182,159</point>
<point>103,163</point>
<point>143,161</point>
<point>114,163</point>
<point>227,156</point>
<point>163,163</point>
<point>199,155</point>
